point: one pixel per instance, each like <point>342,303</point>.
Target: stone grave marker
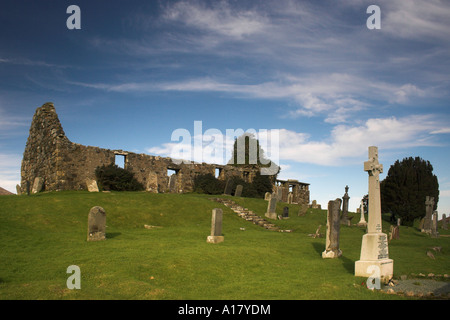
<point>238,191</point>
<point>444,222</point>
<point>92,185</point>
<point>96,224</point>
<point>344,217</point>
<point>37,185</point>
<point>267,196</point>
<point>333,229</point>
<point>428,220</point>
<point>271,207</point>
<point>290,198</point>
<point>434,227</point>
<point>18,190</point>
<point>216,227</point>
<point>228,187</point>
<point>362,221</point>
<point>394,233</point>
<point>374,247</point>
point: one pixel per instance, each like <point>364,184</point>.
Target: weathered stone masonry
<point>64,165</point>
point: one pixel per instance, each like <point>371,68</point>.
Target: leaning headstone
<point>374,247</point>
<point>216,227</point>
<point>285,212</point>
<point>444,222</point>
<point>267,196</point>
<point>96,224</point>
<point>428,220</point>
<point>344,217</point>
<point>333,229</point>
<point>92,185</point>
<point>238,191</point>
<point>18,190</point>
<point>271,207</point>
<point>362,221</point>
<point>394,233</point>
<point>37,185</point>
<point>228,187</point>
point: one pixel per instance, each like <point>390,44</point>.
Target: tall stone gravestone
<point>428,220</point>
<point>444,222</point>
<point>362,221</point>
<point>271,207</point>
<point>333,229</point>
<point>96,224</point>
<point>216,227</point>
<point>238,191</point>
<point>37,185</point>
<point>228,187</point>
<point>374,249</point>
<point>434,227</point>
<point>345,198</point>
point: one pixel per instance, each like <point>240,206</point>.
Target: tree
<point>405,188</point>
<point>112,177</point>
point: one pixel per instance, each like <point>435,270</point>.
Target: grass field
<point>41,235</point>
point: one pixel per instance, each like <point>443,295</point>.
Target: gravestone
<point>238,191</point>
<point>216,227</point>
<point>173,183</point>
<point>428,220</point>
<point>285,212</point>
<point>344,217</point>
<point>96,224</point>
<point>267,196</point>
<point>333,229</point>
<point>271,207</point>
<point>279,193</point>
<point>18,190</point>
<point>444,222</point>
<point>228,187</point>
<point>394,233</point>
<point>37,185</point>
<point>92,185</point>
<point>434,227</point>
<point>362,221</point>
<point>374,247</point>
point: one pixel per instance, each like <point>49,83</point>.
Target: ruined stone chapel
<point>64,165</point>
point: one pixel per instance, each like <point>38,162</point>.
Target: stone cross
<point>333,229</point>
<point>374,168</point>
<point>216,227</point>
<point>96,224</point>
<point>238,191</point>
<point>345,198</point>
<point>427,222</point>
<point>374,247</point>
<point>271,207</point>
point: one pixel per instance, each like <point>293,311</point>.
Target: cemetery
<point>151,244</point>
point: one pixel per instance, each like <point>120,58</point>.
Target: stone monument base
<point>215,239</point>
<point>271,215</point>
<point>96,236</point>
<point>331,254</point>
<point>386,267</point>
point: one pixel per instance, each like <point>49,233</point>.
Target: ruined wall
<point>65,165</point>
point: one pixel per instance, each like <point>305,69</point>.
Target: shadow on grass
<point>319,247</point>
<point>348,264</point>
<point>111,235</point>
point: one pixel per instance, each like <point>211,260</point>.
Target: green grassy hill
<point>41,235</point>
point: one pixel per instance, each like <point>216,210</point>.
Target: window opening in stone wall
<point>217,172</point>
<point>120,160</point>
<point>171,172</point>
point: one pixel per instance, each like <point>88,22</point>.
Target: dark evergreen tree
<point>405,187</point>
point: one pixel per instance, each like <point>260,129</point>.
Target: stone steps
<point>248,215</point>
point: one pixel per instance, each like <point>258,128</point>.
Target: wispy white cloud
<point>10,171</point>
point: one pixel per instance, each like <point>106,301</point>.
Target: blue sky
<point>137,71</point>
